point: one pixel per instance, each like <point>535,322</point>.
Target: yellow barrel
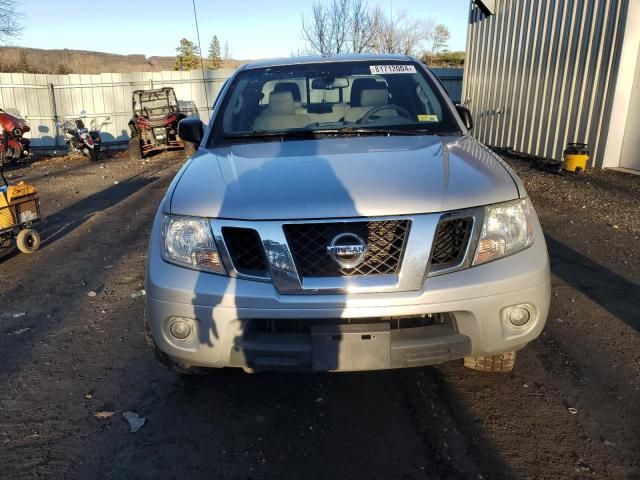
<point>576,157</point>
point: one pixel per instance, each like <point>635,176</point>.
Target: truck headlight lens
<point>507,229</point>
<point>188,241</point>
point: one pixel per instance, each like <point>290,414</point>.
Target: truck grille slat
<point>385,242</point>
<point>245,249</point>
<point>450,242</point>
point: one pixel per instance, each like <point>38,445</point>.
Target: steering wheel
<point>401,110</point>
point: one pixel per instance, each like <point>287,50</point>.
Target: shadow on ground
<point>621,297</point>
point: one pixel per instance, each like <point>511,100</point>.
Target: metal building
<point>542,73</point>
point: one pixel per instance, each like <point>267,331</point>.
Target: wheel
<point>165,359</point>
<point>10,157</point>
<point>28,240</point>
<point>503,362</point>
<point>93,154</point>
<point>135,150</point>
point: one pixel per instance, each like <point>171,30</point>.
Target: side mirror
<point>465,116</point>
<point>191,130</point>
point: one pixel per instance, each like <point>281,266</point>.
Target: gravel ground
<point>570,409</point>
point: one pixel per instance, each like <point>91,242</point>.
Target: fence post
<point>55,115</point>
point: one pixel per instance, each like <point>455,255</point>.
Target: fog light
<point>519,316</point>
<point>180,329</point>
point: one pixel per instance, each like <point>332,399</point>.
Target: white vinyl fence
<point>105,99</point>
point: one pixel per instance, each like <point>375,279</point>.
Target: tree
<point>440,39</point>
<point>23,65</point>
<point>343,26</point>
<point>63,69</point>
<point>444,59</point>
<point>188,56</point>
<point>351,26</point>
<point>401,34</point>
<point>363,25</point>
<point>226,53</point>
<point>10,26</point>
<point>215,60</point>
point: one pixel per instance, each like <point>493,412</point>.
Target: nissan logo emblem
<point>347,250</point>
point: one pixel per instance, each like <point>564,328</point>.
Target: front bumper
<point>219,309</point>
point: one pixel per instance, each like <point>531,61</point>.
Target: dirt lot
<point>571,408</point>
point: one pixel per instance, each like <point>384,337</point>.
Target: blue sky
<point>253,28</point>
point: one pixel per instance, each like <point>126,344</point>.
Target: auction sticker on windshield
<point>382,69</point>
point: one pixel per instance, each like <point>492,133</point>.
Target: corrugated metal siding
<point>540,74</point>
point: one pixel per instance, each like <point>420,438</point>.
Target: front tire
<point>11,157</point>
<point>93,154</point>
<point>28,240</point>
<point>135,150</point>
<point>501,363</point>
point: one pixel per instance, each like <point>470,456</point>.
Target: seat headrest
<point>281,103</point>
<point>288,87</point>
<point>360,84</point>
<point>373,98</point>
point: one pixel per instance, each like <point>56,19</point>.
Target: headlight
<point>507,229</point>
<point>188,241</point>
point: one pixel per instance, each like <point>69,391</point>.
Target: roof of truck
<point>355,57</point>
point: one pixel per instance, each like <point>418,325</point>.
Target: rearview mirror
<point>191,130</point>
<point>329,83</point>
<point>465,116</point>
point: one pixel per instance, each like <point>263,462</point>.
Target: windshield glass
<point>357,97</point>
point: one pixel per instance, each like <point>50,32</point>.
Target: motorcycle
<point>13,145</point>
<point>80,140</point>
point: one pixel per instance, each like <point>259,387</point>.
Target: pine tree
<point>23,65</point>
<point>188,56</point>
<point>215,60</point>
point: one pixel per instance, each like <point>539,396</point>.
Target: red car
<point>154,125</point>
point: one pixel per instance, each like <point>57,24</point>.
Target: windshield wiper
<point>374,131</point>
<point>262,134</point>
<point>258,134</point>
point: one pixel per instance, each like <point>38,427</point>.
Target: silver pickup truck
<point>336,216</point>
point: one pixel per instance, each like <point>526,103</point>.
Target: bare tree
<point>350,26</point>
<point>342,26</point>
<point>363,25</point>
<point>402,34</point>
<point>10,26</point>
<point>316,30</point>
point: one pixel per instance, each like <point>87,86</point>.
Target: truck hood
<point>341,177</point>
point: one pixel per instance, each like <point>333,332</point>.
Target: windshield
<point>373,97</point>
<point>152,103</point>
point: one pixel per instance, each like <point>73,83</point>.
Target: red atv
<point>154,126</point>
<point>13,146</point>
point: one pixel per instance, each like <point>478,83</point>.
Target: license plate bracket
<point>351,347</point>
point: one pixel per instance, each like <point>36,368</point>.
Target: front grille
<point>245,250</point>
<point>385,242</point>
<point>450,242</point>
